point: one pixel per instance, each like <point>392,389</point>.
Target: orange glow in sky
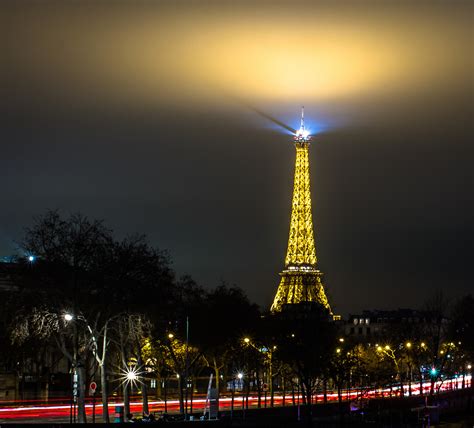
<point>196,51</point>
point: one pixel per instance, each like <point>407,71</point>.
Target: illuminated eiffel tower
<point>300,280</point>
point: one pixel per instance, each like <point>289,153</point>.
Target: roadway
<point>61,412</point>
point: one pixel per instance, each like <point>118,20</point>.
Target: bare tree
<point>132,331</point>
<point>44,324</point>
<point>436,329</point>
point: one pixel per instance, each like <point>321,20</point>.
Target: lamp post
<point>268,353</point>
<point>247,342</point>
<point>232,399</point>
<point>469,367</point>
<point>78,387</point>
<point>390,353</point>
<point>186,380</point>
<point>241,377</point>
<point>408,346</point>
<point>298,397</point>
<point>74,375</point>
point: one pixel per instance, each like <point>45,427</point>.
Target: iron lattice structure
<point>301,281</point>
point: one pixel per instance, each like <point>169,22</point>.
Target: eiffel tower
<point>301,281</point>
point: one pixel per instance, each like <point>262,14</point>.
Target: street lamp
<point>76,379</point>
<point>131,375</point>
<point>268,354</point>
<point>240,376</point>
<point>76,362</point>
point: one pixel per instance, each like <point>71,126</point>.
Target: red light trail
<point>63,410</point>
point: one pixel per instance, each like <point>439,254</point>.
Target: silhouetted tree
<point>219,323</point>
<point>462,325</point>
<point>79,268</point>
<point>306,341</point>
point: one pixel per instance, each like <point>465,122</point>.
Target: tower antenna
<point>302,135</point>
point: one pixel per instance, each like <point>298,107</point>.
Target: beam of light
<point>273,120</point>
<point>287,128</point>
<point>312,127</point>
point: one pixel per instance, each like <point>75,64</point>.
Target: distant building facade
<point>379,323</point>
<point>8,270</point>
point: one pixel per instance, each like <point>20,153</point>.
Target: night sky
<point>147,115</point>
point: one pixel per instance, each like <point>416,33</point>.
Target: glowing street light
<point>170,335</point>
<point>240,375</point>
<point>338,350</point>
<point>341,340</point>
<point>31,259</point>
<point>68,317</point>
<point>131,376</point>
<point>246,340</point>
<point>408,345</point>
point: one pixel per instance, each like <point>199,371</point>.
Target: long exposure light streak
<point>34,412</point>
